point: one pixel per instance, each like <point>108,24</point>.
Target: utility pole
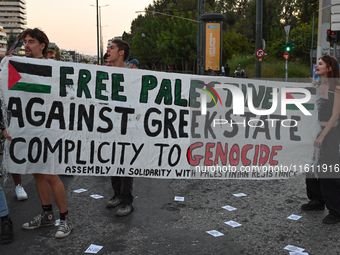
<point>99,33</point>
<point>335,24</point>
<point>323,47</point>
<point>311,51</point>
<point>201,10</point>
<point>97,8</point>
<point>287,29</point>
<point>101,36</point>
<point>258,43</point>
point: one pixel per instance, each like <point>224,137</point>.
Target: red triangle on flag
<point>289,96</point>
<point>13,76</point>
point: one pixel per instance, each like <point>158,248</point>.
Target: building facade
<point>110,40</point>
<point>3,40</point>
<point>13,16</point>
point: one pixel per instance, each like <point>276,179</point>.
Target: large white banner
<point>68,118</point>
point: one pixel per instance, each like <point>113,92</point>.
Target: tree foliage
<point>166,34</point>
<point>57,52</point>
<point>10,40</point>
<point>234,44</point>
<point>301,38</point>
<point>177,44</point>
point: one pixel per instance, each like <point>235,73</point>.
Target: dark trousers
<point>326,188</point>
<point>326,191</point>
<point>122,186</point>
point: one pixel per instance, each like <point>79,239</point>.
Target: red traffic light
<point>332,36</point>
<point>330,32</point>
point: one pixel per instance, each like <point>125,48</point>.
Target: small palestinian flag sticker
<point>16,81</point>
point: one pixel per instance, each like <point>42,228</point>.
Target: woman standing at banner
<point>323,184</point>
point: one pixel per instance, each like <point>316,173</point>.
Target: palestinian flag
<point>22,77</point>
<point>308,106</point>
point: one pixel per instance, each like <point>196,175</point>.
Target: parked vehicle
<point>240,73</point>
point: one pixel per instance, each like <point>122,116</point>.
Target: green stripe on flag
<point>294,107</point>
<point>31,87</point>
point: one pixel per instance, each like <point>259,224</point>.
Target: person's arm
<point>2,126</point>
<point>333,119</point>
<point>6,135</point>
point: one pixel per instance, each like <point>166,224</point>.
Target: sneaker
<point>65,227</point>
<point>124,210</point>
<point>313,205</point>
<point>20,192</point>
<point>113,202</point>
<point>7,235</point>
<point>331,219</point>
<point>44,219</point>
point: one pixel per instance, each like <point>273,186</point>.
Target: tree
<point>178,44</point>
<point>158,40</point>
<point>307,8</point>
<point>234,44</point>
<point>57,52</point>
<point>302,36</point>
<point>144,31</point>
<point>10,40</point>
<point>84,60</point>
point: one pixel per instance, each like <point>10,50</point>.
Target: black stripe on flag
<point>32,69</point>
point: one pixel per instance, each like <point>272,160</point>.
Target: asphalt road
<point>160,225</point>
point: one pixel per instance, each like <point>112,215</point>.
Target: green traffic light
<point>287,48</point>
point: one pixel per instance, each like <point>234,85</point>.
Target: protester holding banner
<point>36,44</point>
<point>106,61</point>
<point>134,64</point>
<point>19,189</point>
<point>325,188</point>
<point>50,54</point>
<point>118,53</point>
<point>6,222</point>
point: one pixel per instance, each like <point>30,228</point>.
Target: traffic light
<point>332,36</point>
<point>288,47</point>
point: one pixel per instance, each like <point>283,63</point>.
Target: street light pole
<point>311,51</point>
<point>201,10</point>
<point>99,32</point>
<point>97,8</point>
<point>101,36</point>
<point>259,15</point>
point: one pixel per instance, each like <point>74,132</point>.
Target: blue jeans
<point>3,204</point>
